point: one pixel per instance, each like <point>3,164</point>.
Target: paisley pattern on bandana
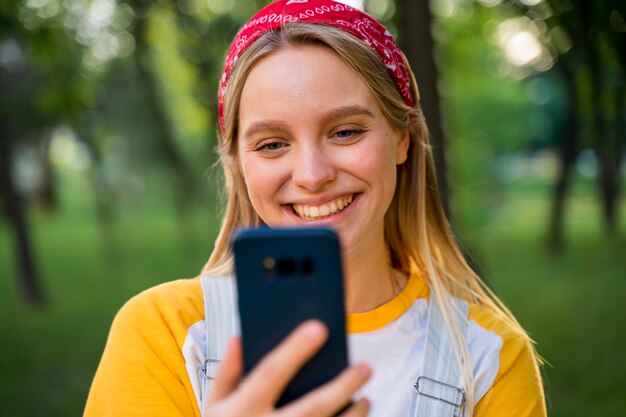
<point>328,12</point>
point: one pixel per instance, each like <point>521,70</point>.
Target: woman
<point>321,125</point>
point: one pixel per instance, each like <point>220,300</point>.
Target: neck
<point>370,280</point>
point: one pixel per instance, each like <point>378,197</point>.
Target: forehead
<point>301,82</point>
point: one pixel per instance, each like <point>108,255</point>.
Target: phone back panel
<point>284,277</point>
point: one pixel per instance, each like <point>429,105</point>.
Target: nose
<point>313,168</point>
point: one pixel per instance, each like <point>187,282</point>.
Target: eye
<point>270,147</point>
<point>349,133</point>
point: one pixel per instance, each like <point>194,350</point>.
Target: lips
<point>305,211</point>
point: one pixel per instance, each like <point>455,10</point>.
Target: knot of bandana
<point>344,17</point>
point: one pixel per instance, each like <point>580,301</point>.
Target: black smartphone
<point>284,277</point>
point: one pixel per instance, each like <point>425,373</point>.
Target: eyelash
<point>266,147</point>
<point>352,133</point>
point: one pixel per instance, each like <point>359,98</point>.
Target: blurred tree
<point>475,99</point>
<point>18,77</point>
<point>594,67</point>
<point>587,41</point>
<point>414,20</point>
<point>164,133</point>
<point>205,39</point>
<point>47,83</point>
<point>13,210</point>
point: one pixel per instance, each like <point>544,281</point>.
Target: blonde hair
<point>417,232</point>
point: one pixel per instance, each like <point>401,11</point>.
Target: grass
<point>572,305</point>
<point>49,354</point>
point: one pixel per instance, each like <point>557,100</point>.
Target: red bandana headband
<point>328,12</point>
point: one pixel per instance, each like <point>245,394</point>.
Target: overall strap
<point>221,322</point>
<point>438,392</point>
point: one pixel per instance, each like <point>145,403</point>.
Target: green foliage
<point>178,78</point>
<point>42,83</point>
<point>485,114</point>
<point>479,102</point>
<point>571,305</point>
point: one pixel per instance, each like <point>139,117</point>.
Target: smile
<point>315,212</point>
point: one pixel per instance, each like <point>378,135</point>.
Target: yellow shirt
<point>149,366</point>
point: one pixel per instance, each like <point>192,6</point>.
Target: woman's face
<point>314,147</point>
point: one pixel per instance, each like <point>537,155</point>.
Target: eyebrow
<point>338,113</point>
<point>347,111</point>
<point>264,126</point>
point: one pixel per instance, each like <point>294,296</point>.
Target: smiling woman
<point>321,125</point>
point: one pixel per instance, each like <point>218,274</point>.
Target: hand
<point>256,396</point>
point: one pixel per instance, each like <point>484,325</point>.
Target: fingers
<point>270,377</point>
<point>267,381</point>
<point>228,373</point>
<point>333,396</point>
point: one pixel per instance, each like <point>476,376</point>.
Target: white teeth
<point>324,210</point>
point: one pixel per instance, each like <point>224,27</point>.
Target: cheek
<point>262,180</point>
<point>252,175</point>
<point>375,161</point>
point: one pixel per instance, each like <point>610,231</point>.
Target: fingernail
<point>314,330</point>
<point>364,370</point>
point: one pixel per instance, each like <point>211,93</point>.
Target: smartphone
<point>284,277</point>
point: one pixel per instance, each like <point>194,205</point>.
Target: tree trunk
<point>414,22</point>
<point>103,196</point>
<point>620,129</point>
<point>47,196</point>
<point>604,148</point>
<point>601,139</point>
<point>615,138</point>
<point>608,184</point>
<point>568,151</point>
<point>14,213</point>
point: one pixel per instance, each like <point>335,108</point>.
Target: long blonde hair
<point>417,232</point>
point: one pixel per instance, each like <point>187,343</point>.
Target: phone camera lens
<point>307,266</point>
<point>269,266</point>
<point>286,267</point>
<point>269,263</point>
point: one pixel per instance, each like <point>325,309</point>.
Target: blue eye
<point>349,133</point>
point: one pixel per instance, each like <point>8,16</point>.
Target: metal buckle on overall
<point>446,393</point>
<point>205,368</point>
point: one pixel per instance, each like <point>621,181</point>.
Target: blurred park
<point>109,184</point>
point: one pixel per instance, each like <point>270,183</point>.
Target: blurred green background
<point>109,185</point>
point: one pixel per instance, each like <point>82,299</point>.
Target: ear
<point>402,147</point>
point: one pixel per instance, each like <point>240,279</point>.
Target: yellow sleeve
<point>517,390</point>
<point>142,371</point>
